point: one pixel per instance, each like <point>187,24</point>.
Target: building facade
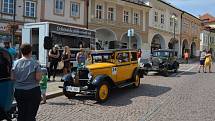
<point>208,34</point>
<point>164,26</point>
<point>112,19</point>
<point>25,11</point>
<point>70,12</point>
<point>190,34</point>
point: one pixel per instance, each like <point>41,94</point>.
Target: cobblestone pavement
<point>182,97</point>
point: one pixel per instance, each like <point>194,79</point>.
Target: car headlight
<point>73,74</point>
<point>90,76</point>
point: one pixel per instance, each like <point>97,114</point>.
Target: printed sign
<point>114,70</point>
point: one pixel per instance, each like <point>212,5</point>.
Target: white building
<point>162,32</point>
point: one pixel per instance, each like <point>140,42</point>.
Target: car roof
<point>112,51</point>
<point>162,50</point>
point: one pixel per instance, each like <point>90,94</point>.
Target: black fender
<point>147,65</point>
<point>176,65</point>
<point>139,71</point>
<point>98,79</point>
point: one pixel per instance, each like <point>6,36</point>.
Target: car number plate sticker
<point>72,89</point>
<point>114,70</point>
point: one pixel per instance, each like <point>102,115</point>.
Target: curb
<point>54,94</point>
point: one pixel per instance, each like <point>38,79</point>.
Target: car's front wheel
<point>136,80</point>
<point>102,92</point>
<point>165,72</point>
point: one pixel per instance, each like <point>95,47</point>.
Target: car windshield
<point>103,58</point>
<point>161,54</point>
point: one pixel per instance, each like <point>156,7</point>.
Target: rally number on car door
<point>114,70</point>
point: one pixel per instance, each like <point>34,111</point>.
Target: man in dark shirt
<point>54,55</point>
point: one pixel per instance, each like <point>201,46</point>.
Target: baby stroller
<point>7,107</point>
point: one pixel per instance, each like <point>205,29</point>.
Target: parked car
<point>163,61</point>
<point>109,69</point>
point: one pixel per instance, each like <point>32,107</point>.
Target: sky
<point>195,7</point>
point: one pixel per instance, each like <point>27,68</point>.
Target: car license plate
<point>72,89</point>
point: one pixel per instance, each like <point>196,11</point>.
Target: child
<point>43,84</point>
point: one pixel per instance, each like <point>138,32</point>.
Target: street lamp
<point>174,23</point>
<point>14,20</point>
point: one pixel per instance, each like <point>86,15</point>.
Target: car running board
<point>125,84</point>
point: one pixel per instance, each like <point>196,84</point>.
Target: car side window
<point>123,57</point>
<point>133,56</point>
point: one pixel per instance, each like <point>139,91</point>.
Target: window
<point>75,9</point>
<point>8,6</point>
<point>30,8</point>
<point>136,18</point>
<point>123,57</point>
<point>156,16</point>
<point>99,11</point>
<point>133,56</point>
<point>59,6</point>
<point>111,14</point>
<point>162,18</point>
<point>126,17</point>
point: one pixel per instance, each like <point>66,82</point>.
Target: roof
<point>207,17</point>
<point>111,50</point>
<point>138,2</point>
<point>169,50</point>
<point>44,23</point>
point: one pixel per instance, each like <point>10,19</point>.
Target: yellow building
<point>111,19</point>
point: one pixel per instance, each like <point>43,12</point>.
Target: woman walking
<point>27,74</point>
<point>208,62</point>
<point>66,56</point>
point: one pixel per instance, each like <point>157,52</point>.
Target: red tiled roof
<point>207,17</point>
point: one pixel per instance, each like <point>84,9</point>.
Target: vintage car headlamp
<point>160,60</point>
<point>90,76</point>
<point>73,74</point>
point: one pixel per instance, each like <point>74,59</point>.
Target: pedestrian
<point>43,84</point>
<point>139,53</point>
<point>11,50</point>
<point>27,74</point>
<point>186,56</point>
<point>89,58</point>
<point>208,62</point>
<point>54,55</point>
<point>202,61</point>
<point>6,84</point>
<point>81,58</point>
<point>66,57</point>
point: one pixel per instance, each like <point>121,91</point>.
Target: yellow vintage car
<point>109,69</point>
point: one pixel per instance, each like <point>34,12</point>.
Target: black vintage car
<point>163,61</point>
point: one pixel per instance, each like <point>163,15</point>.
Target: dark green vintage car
<point>163,61</point>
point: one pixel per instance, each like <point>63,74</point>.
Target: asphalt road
<point>185,96</point>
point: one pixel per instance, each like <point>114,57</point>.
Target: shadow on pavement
<point>118,97</point>
<point>123,97</point>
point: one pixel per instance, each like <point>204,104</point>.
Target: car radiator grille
<point>83,77</point>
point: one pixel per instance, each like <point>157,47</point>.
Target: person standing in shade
<point>66,57</point>
<point>54,55</point>
<point>208,62</point>
<point>186,56</point>
<point>27,74</point>
<point>202,61</point>
<point>11,50</point>
<point>81,58</point>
